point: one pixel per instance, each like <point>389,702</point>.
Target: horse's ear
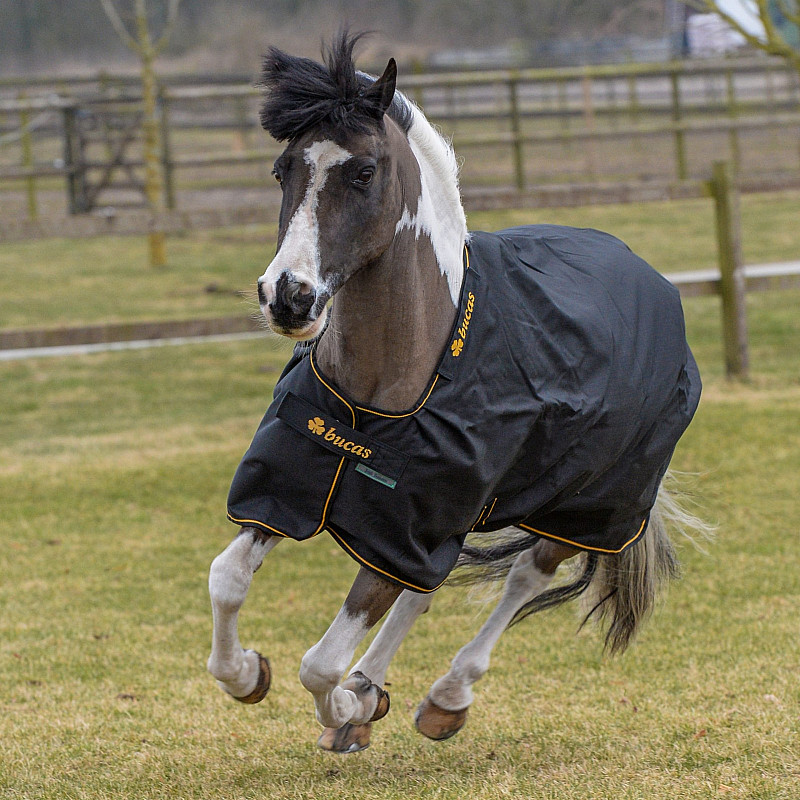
<point>381,93</point>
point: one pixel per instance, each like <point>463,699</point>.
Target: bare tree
<point>777,17</point>
<point>147,48</point>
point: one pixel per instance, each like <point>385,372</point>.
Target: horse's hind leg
<point>444,711</point>
<point>374,664</point>
<point>244,674</point>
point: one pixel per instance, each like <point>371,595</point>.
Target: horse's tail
<point>626,585</point>
<point>621,589</point>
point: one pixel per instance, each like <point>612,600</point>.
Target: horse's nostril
<point>262,297</point>
<point>300,297</point>
<point>292,299</point>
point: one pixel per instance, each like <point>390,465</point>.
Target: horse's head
<point>342,199</point>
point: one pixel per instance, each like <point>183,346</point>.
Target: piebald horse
<point>372,278</point>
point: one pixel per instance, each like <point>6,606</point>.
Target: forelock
<point>301,94</point>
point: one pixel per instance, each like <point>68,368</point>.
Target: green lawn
<point>678,235</point>
<point>114,469</point>
<point>62,282</point>
<point>54,282</point>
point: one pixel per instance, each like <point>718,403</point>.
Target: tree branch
<point>773,35</point>
<point>768,44</point>
<point>169,26</point>
<point>792,13</point>
<point>119,25</point>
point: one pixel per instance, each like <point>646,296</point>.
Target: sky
<point>745,13</point>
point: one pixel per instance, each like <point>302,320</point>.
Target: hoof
<point>437,723</point>
<point>347,739</point>
<point>384,703</point>
<point>262,685</point>
<point>359,683</point>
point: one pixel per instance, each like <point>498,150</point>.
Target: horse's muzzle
<point>294,309</point>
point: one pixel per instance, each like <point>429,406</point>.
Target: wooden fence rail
<point>582,108</point>
<point>515,139</point>
<point>410,79</point>
<point>731,281</point>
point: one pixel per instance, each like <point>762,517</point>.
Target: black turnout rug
<point>556,407</point>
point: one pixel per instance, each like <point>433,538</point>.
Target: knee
<point>227,582</point>
<point>523,573</point>
<point>317,674</point>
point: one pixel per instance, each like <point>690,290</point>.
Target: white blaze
<point>299,253</point>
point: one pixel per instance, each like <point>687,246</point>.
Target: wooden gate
<point>102,152</point>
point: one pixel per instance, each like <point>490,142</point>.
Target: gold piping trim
<point>330,389</point>
<point>378,569</point>
<point>478,521</point>
<point>381,413</point>
<point>260,525</point>
<point>486,518</point>
<point>407,413</point>
<point>286,535</point>
<point>328,499</point>
<point>481,519</point>
<point>584,546</point>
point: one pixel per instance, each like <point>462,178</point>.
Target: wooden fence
<point>520,128</point>
<point>573,134</point>
<point>731,281</point>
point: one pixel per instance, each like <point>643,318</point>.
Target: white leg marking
<point>453,692</point>
<point>375,662</point>
<point>324,665</point>
<point>235,669</point>
<point>299,253</point>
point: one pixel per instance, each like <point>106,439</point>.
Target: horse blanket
<point>556,407</point>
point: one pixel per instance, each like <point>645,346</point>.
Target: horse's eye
<point>365,177</point>
<point>277,176</point>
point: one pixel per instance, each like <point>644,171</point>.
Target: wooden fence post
<point>680,139</point>
<point>26,142</point>
<point>167,166</point>
<point>418,68</point>
<point>516,132</point>
<point>733,113</point>
<point>589,122</point>
<point>77,200</point>
<point>240,133</point>
<point>634,111</point>
<point>563,109</point>
<point>611,101</point>
<point>732,281</point>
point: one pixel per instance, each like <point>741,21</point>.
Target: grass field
<point>113,474</point>
<point>53,282</point>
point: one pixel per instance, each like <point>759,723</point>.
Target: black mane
<point>302,94</point>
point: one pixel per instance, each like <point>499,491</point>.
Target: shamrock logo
<point>317,426</point>
<point>456,347</point>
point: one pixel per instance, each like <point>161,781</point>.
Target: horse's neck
<point>389,325</point>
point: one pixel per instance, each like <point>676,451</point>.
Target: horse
<point>486,404</point>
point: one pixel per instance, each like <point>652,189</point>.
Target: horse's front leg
<point>358,699</point>
<point>374,665</point>
<point>244,674</point>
